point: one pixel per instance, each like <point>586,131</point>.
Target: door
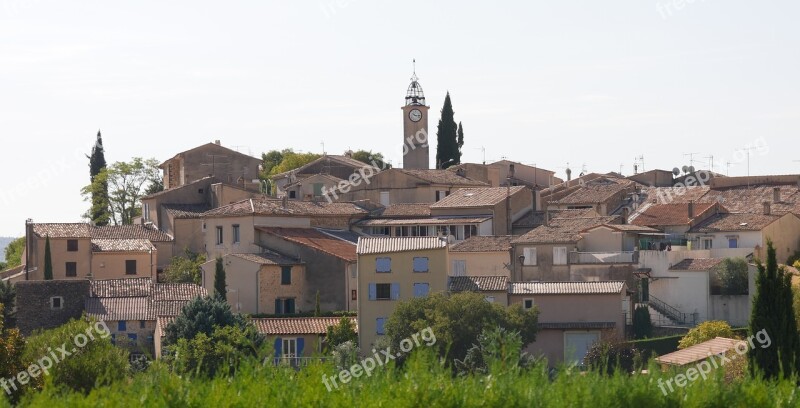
<point>577,344</point>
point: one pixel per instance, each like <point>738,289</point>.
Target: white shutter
<point>530,256</point>
<point>459,267</point>
<point>559,255</point>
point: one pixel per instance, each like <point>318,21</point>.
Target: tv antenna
<point>711,159</point>
<point>691,157</point>
<point>483,150</point>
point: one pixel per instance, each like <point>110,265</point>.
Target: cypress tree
<point>773,316</point>
<point>99,213</point>
<point>48,260</point>
<point>448,144</point>
<point>220,288</point>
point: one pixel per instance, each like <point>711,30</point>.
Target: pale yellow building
<point>482,256</point>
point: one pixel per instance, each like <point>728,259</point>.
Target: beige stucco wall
<point>402,273</point>
<point>241,278</point>
<point>483,263</point>
<point>602,239</point>
<point>785,236</point>
<point>189,235</point>
<point>60,256</point>
<point>111,265</point>
<point>544,268</point>
<point>246,236</point>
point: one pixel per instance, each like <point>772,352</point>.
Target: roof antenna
<point>414,66</point>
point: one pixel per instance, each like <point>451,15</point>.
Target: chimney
<point>691,209</point>
<point>767,208</point>
<point>216,142</point>
<point>511,170</point>
<point>776,195</point>
<point>625,212</point>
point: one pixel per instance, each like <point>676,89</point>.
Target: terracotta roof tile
<point>186,211</point>
<point>118,308</point>
<point>536,218</point>
<point>563,230</point>
<point>261,206</point>
<point>268,259</point>
<point>406,210</point>
<point>696,264</point>
<point>398,244</point>
<point>63,230</point>
<point>298,325</point>
<point>659,215</point>
<point>595,193</point>
<point>130,287</point>
<point>483,244</point>
<point>121,245</point>
<point>130,232</point>
<point>735,222</point>
<point>344,160</point>
<point>314,239</point>
<point>478,283</point>
<point>476,197</point>
<point>441,177</point>
<point>566,288</point>
<point>424,221</point>
<point>699,352</point>
<point>177,291</point>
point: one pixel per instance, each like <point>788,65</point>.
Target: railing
<point>670,312</point>
<point>296,362</point>
<point>603,257</point>
<point>660,244</point>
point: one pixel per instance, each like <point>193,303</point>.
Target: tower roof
<point>414,94</point>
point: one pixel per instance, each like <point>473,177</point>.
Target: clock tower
<point>415,128</point>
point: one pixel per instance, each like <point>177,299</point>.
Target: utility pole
<point>711,157</point>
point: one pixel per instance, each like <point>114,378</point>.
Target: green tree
<point>341,333</point>
<point>610,356</point>
<point>460,140</point>
<point>13,252</point>
<point>317,310</point>
<point>773,316</point>
<point>96,364</point>
<point>8,295</point>
<point>12,345</point>
<point>202,315</point>
<point>269,160</point>
<point>642,325</point>
<point>99,213</point>
<point>457,320</point>
<point>48,260</point>
<point>730,277</point>
<point>127,183</point>
<point>292,160</point>
<point>220,288</point>
<point>497,350</point>
<point>221,353</point>
<point>185,269</point>
<point>448,144</point>
<point>707,331</point>
<point>368,157</point>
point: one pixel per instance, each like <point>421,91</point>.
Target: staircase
<point>662,314</point>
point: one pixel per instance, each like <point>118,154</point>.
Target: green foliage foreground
<point>423,382</point>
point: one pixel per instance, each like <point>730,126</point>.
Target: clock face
<point>415,115</point>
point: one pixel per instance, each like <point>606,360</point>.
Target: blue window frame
<point>286,275</point>
<point>420,264</point>
<point>121,325</point>
<point>383,265</point>
<point>379,323</point>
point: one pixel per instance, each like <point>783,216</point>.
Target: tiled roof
<point>735,222</point>
<point>162,322</point>
<point>576,325</point>
<point>178,291</point>
<point>347,161</point>
<point>441,177</point>
<point>130,287</point>
<point>398,244</point>
<point>121,245</point>
<point>12,271</point>
<point>304,179</point>
<point>165,307</point>
<point>298,325</point>
<point>566,288</point>
<point>478,283</point>
<point>348,236</point>
<point>424,221</point>
<point>624,228</point>
<point>63,230</point>
<point>186,211</point>
<point>536,218</point>
<point>659,215</point>
<point>751,199</point>
<point>316,240</point>
<point>262,206</point>
<point>594,193</point>
<point>476,197</point>
<point>484,244</point>
<point>268,259</point>
<point>118,308</point>
<point>696,264</point>
<point>699,352</point>
<point>406,210</point>
<point>562,230</point>
<point>130,232</point>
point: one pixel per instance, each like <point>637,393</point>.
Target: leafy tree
<point>202,315</point>
<point>610,356</point>
<point>8,295</point>
<point>156,185</point>
<point>96,364</point>
<point>341,333</point>
<point>793,258</point>
<point>772,313</point>
<point>13,252</point>
<point>448,143</point>
<point>642,325</point>
<point>269,160</point>
<point>127,183</point>
<point>368,157</point>
<point>185,269</point>
<point>497,350</point>
<point>457,320</point>
<point>11,348</point>
<point>99,213</point>
<point>730,277</point>
<point>345,355</point>
<point>220,288</point>
<point>48,260</point>
<point>292,160</point>
<point>317,310</point>
<point>707,331</point>
<point>221,353</point>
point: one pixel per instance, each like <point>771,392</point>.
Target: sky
<point>585,84</point>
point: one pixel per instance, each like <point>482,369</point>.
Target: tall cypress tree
<point>220,288</point>
<point>773,313</point>
<point>99,213</point>
<point>448,145</point>
<point>48,260</point>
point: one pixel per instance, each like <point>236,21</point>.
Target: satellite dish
<point>676,171</point>
<point>685,169</point>
<point>691,169</point>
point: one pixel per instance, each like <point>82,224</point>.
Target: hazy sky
<point>547,82</point>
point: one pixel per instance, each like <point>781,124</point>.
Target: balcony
<point>623,257</point>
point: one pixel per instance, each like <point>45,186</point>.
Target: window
<point>733,242</point>
<point>292,194</point>
<point>317,189</point>
<point>132,337</point>
<point>420,264</point>
<point>130,267</point>
<point>72,245</point>
<point>527,304</point>
<point>379,323</point>
<point>56,302</point>
<point>146,212</point>
<point>284,306</point>
<point>353,294</point>
<point>289,348</point>
<point>440,194</point>
<point>421,289</point>
<point>121,326</point>
<point>383,291</point>
<point>383,265</point>
<point>219,235</point>
<point>286,275</point>
<point>236,233</point>
<point>706,243</point>
<point>141,324</point>
<point>459,267</point>
<point>530,256</point>
<point>489,299</point>
<point>72,269</point>
<point>559,255</point>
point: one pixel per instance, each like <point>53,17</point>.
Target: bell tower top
<point>414,94</point>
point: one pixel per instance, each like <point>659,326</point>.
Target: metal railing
<point>670,312</point>
<point>603,257</point>
<point>297,362</point>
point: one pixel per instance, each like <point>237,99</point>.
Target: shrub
<point>219,354</point>
<point>341,333</point>
<point>642,326</point>
<point>610,356</point>
<point>202,315</point>
<point>497,350</point>
<point>706,331</point>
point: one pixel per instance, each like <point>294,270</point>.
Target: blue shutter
<point>278,343</point>
<point>395,291</point>
<point>379,325</point>
<point>278,306</point>
<point>421,289</point>
<point>373,292</point>
<point>420,264</point>
<point>300,343</point>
